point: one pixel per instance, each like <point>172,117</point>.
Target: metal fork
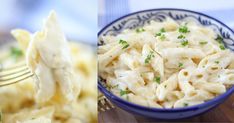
<point>104,104</point>
<point>14,74</point>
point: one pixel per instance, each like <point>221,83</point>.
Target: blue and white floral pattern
<point>138,19</point>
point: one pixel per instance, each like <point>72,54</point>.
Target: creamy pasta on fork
<point>49,58</point>
<point>64,89</point>
<point>166,64</point>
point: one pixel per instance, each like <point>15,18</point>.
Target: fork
<point>14,74</point>
<point>104,104</point>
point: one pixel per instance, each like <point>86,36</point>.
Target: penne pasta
<point>170,65</point>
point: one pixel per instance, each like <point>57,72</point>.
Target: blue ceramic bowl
<point>140,18</point>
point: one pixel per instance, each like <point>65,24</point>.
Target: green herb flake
<point>183,29</point>
<point>16,52</point>
<point>149,57</point>
<point>162,37</point>
<point>203,42</point>
<point>124,43</point>
<point>157,79</point>
<point>165,86</point>
<point>217,62</point>
<point>222,47</point>
<point>184,43</point>
<point>162,30</point>
<point>138,30</point>
<point>181,64</point>
<point>181,37</point>
<point>219,39</point>
<point>185,104</point>
<point>123,92</point>
<point>158,34</point>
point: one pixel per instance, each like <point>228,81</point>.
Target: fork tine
<point>14,74</point>
<point>100,104</point>
<point>13,71</point>
<point>16,80</point>
<point>11,77</point>
<point>109,103</point>
<point>104,104</point>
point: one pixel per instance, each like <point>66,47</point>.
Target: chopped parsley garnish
<point>16,52</point>
<point>123,92</point>
<point>157,79</point>
<point>184,43</point>
<point>203,42</point>
<point>149,57</point>
<point>138,30</point>
<point>183,29</point>
<point>219,39</point>
<point>222,47</point>
<point>165,86</point>
<point>217,62</point>
<point>162,36</point>
<point>181,37</point>
<point>185,104</point>
<point>124,43</point>
<point>162,30</point>
<point>158,34</point>
<point>181,64</point>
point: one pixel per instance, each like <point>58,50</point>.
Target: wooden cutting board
<point>224,113</point>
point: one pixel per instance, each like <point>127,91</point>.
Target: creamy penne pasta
<point>166,64</point>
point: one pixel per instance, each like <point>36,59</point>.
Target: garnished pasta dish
<point>166,64</point>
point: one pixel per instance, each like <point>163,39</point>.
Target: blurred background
<point>112,9</point>
<point>78,18</point>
